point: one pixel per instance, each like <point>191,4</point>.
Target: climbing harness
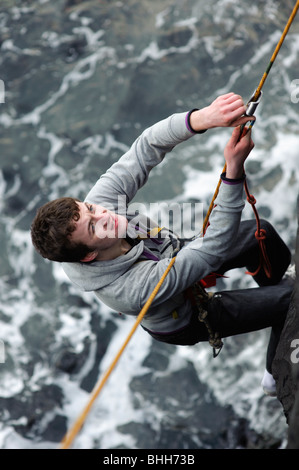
<point>252,104</point>
<point>201,299</point>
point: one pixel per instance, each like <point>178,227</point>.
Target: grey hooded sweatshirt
<point>125,283</point>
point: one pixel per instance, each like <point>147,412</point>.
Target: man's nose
<point>100,215</point>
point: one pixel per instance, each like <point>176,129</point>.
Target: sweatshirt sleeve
<point>201,256</point>
<point>131,172</point>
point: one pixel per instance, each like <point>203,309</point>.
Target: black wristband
<point>189,127</point>
<point>232,180</point>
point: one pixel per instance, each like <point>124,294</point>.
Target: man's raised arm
<point>131,172</point>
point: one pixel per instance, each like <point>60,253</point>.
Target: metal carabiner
<point>252,105</point>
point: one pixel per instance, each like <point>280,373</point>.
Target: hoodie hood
<point>97,274</point>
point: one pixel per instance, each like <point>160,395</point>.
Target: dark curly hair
<point>51,230</point>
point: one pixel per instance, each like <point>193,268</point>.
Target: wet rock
<point>29,412</point>
<point>67,362</point>
<point>176,38</point>
<point>158,357</point>
<point>286,362</point>
<point>293,438</point>
<point>56,429</point>
<point>185,414</point>
<point>38,327</point>
<point>103,335</point>
<point>5,266</point>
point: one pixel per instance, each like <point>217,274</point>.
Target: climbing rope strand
<point>260,235</point>
<point>70,436</point>
<point>274,55</point>
<point>206,220</point>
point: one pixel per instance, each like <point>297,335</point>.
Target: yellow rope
<point>279,44</point>
<point>205,223</point>
<point>70,436</point>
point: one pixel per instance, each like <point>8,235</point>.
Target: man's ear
<point>89,257</point>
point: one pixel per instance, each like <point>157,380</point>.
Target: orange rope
<point>260,235</point>
<point>279,44</point>
<point>206,221</point>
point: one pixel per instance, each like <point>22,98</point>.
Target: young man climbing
<point>101,245</point>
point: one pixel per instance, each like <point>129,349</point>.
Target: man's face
<point>99,228</point>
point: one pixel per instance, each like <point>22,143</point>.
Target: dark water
<point>82,80</point>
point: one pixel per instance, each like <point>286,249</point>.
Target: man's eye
<point>90,208</point>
